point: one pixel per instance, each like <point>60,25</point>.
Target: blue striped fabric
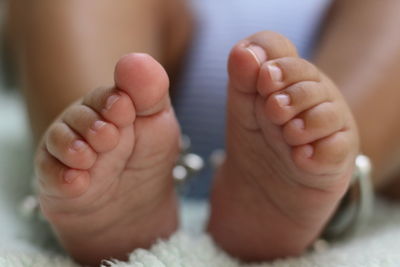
<point>200,94</point>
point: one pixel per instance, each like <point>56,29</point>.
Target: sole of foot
<point>291,145</point>
<point>104,167</point>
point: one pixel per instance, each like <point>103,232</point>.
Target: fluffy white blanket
<point>26,243</point>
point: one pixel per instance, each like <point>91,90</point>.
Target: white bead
<point>193,162</point>
<point>179,173</point>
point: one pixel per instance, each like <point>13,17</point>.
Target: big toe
<point>145,81</point>
<point>249,54</point>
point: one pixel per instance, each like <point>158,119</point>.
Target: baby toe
<point>69,148</point>
<point>283,105</point>
<point>248,55</point>
<point>313,124</point>
<point>114,106</point>
<point>326,156</point>
<point>57,180</point>
<point>282,72</point>
<point>101,135</point>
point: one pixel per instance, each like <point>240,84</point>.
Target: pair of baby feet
<point>104,166</point>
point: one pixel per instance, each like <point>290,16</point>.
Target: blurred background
<point>15,148</point>
<point>18,230</point>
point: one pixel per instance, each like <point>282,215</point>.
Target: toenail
<point>111,101</point>
<point>97,125</point>
<point>70,176</point>
<point>78,145</point>
<point>298,123</point>
<point>283,100</point>
<point>257,52</point>
<point>274,72</point>
<point>308,151</point>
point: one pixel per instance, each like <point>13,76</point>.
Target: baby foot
<point>291,145</point>
<point>104,166</point>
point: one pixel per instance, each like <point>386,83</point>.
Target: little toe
<point>57,180</point>
<point>313,124</point>
<point>65,145</point>
<point>283,105</point>
<point>102,136</point>
<point>282,72</point>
